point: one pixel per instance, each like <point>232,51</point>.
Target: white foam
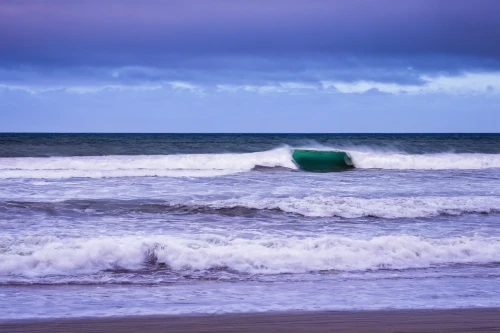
<point>266,255</point>
<point>351,207</point>
<point>188,165</point>
<point>441,161</point>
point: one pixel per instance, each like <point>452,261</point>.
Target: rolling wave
<point>312,206</point>
<point>210,165</point>
<point>54,256</point>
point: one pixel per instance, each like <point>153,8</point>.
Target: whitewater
<point>209,165</point>
<point>264,255</point>
<point>194,223</point>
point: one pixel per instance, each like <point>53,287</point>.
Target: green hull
<point>321,160</point>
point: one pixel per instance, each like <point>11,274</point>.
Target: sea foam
<point>253,256</point>
<point>441,161</point>
<point>352,207</point>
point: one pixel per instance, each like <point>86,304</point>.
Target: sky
<point>249,66</point>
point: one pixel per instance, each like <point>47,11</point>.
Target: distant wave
<point>314,206</point>
<point>54,256</point>
<point>210,165</point>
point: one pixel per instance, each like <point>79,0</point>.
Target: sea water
<point>127,224</point>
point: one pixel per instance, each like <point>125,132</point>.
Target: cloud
<point>189,34</point>
<point>272,46</point>
<point>469,83</point>
<point>484,83</point>
<point>76,89</point>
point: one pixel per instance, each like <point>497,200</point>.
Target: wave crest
<point>253,256</point>
<point>352,207</point>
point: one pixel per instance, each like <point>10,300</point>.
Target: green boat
<point>322,160</point>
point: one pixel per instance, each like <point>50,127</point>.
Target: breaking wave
<point>441,161</point>
<point>188,165</point>
<point>210,165</point>
<point>353,207</point>
<point>314,206</point>
<point>53,256</point>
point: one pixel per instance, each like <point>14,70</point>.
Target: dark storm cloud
<point>243,40</point>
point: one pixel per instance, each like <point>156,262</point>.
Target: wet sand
<point>458,320</point>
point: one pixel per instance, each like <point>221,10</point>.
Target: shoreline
<point>373,321</point>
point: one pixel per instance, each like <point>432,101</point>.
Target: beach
<point>411,321</point>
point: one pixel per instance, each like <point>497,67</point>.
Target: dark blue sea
<point>126,224</point>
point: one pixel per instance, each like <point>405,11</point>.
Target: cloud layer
<point>248,41</point>
<point>154,32</point>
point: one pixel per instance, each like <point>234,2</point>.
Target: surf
<point>266,255</point>
<point>436,161</point>
<point>316,159</point>
<point>346,207</point>
<point>181,165</point>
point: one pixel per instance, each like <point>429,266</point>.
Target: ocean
<point>129,224</point>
